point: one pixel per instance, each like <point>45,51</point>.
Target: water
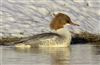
<point>79,54</point>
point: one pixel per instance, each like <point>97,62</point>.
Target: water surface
<point>79,54</point>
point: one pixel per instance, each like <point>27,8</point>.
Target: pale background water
<point>21,18</point>
<point>79,54</point>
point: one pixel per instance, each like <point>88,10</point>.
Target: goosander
<point>59,37</point>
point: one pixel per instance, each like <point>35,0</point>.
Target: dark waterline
<point>78,40</point>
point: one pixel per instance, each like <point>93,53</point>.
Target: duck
<point>58,37</point>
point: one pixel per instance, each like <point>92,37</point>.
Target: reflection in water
<point>96,52</point>
<point>81,54</point>
<point>60,56</point>
<point>96,48</point>
<point>84,54</point>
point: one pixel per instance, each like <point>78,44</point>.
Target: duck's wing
<point>45,36</point>
<point>39,38</point>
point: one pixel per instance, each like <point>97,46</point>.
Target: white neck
<point>65,33</point>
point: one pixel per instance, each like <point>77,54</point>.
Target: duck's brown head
<point>60,20</point>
